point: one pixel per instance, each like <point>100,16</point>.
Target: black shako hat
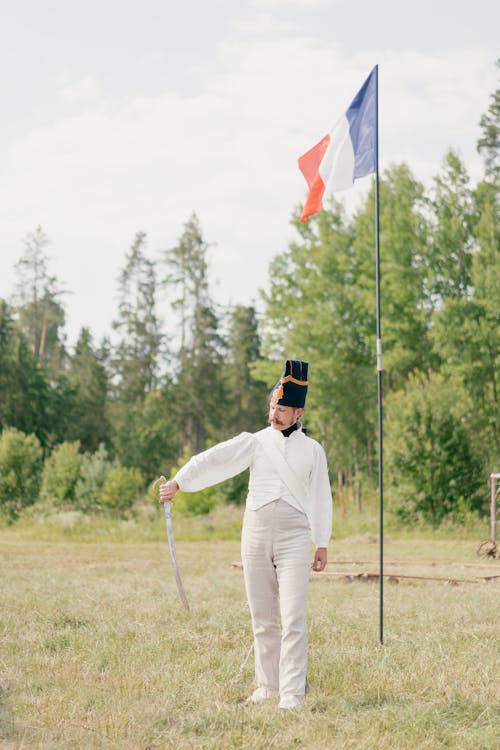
<point>291,388</point>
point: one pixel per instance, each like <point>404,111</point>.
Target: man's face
<point>281,417</point>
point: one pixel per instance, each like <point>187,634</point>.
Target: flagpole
<point>379,377</point>
<point>362,123</point>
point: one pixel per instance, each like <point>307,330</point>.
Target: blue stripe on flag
<point>362,117</point>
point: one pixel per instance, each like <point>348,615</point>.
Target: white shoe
<point>291,702</point>
<point>259,695</point>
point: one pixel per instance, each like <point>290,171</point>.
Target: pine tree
<point>135,358</point>
<point>40,313</point>
<point>137,353</point>
<point>88,376</point>
<point>24,390</point>
<point>247,395</point>
<point>199,394</point>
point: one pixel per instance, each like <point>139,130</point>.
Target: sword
<point>171,544</point>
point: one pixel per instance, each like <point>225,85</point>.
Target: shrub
<point>61,474</point>
<point>21,462</point>
<point>194,503</point>
<point>433,471</point>
<point>120,489</point>
<point>93,472</point>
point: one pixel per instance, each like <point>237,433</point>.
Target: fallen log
<point>367,577</point>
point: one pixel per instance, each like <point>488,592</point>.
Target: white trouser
<point>276,555</point>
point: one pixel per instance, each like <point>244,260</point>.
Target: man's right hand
<point>167,491</point>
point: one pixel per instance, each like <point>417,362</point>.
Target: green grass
<point>98,652</point>
<point>146,524</point>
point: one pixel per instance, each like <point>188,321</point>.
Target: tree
<point>485,384</point>
<point>120,489</point>
<point>199,394</point>
<point>432,468</point>
<point>88,377</point>
<point>94,469</point>
<point>246,395</point>
<point>61,410</point>
<point>452,239</point>
<point>135,357</point>
<point>24,391</point>
<point>405,309</point>
<point>154,443</point>
<point>199,388</point>
<point>315,309</point>
<point>61,473</point>
<point>187,273</point>
<point>21,461</point>
<point>467,326</point>
<point>41,315</point>
<point>486,269</point>
<point>489,143</point>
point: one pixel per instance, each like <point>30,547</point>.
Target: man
<point>289,502</point>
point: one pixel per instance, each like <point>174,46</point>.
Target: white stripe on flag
<point>337,166</point>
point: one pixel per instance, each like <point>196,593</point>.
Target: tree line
<point>159,389</point>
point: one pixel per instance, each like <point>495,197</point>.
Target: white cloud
<point>107,168</point>
<point>77,92</point>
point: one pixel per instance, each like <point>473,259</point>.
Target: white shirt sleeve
<point>216,464</point>
<point>320,494</point>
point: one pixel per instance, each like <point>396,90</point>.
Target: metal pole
<point>379,377</point>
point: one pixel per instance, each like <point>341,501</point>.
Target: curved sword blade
<point>173,554</point>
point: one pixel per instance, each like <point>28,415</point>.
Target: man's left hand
<point>320,560</point>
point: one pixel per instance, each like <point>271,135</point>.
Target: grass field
<point>98,652</point>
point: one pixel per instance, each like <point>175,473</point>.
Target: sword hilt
<point>162,480</point>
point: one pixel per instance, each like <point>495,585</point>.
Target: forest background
<point>86,428</point>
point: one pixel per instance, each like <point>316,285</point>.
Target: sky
<point>119,116</point>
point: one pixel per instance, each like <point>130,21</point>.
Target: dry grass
<point>97,652</point>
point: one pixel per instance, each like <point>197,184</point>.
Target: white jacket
<point>305,455</point>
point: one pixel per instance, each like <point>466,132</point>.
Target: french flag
<point>349,151</point>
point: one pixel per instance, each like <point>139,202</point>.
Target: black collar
<point>288,431</point>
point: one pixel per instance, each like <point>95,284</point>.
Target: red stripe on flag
<point>309,166</point>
